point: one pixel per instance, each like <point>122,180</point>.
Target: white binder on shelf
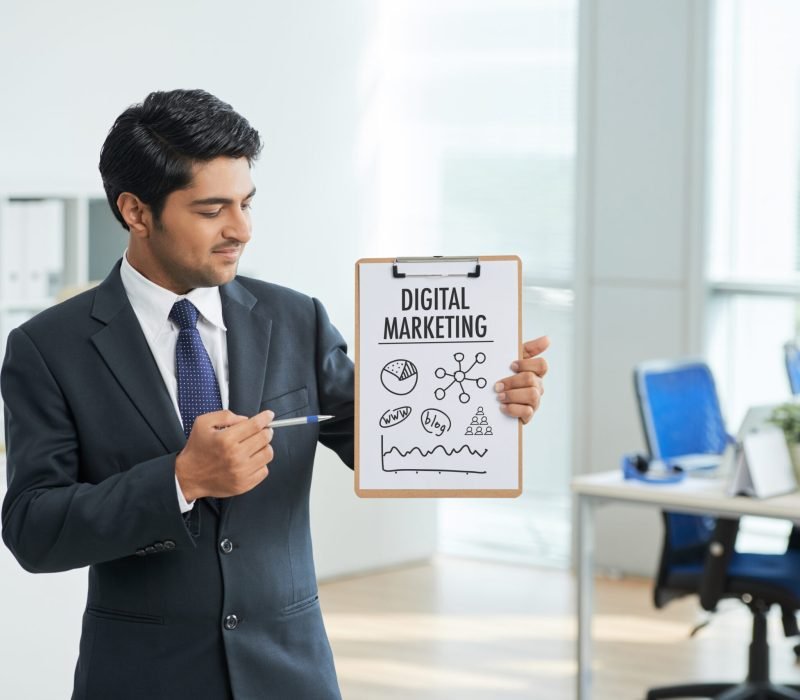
<point>43,255</point>
<point>31,252</point>
<point>762,466</point>
<point>12,232</point>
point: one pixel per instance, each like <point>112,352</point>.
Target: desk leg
<point>585,595</point>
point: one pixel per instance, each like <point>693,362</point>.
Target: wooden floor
<point>458,628</point>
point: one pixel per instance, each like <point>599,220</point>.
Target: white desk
<point>696,495</point>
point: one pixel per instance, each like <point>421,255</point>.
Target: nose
<point>239,226</point>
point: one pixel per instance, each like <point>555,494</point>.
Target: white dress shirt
<point>152,305</point>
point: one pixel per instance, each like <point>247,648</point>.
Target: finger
<point>519,381</point>
<point>256,442</point>
<point>218,420</point>
<point>252,425</point>
<point>537,365</point>
<point>515,410</point>
<point>263,419</point>
<point>536,346</point>
<point>257,476</point>
<point>530,396</point>
<point>257,465</point>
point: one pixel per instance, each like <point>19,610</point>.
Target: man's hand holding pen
<point>225,455</point>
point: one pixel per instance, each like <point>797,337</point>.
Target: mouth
<point>231,254</point>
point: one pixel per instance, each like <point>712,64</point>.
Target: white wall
<point>292,68</point>
<point>642,140</point>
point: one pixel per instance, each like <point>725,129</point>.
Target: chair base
<point>727,691</point>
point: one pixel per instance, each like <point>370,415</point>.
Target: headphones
<point>653,471</point>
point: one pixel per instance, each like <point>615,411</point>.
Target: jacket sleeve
<point>335,382</point>
<point>53,521</point>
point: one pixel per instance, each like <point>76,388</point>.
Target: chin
<point>226,275</point>
<point>214,278</point>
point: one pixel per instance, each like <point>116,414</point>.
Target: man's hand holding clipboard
<point>521,393</point>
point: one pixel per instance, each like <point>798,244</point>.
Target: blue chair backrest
<point>681,415</point>
<point>681,409</point>
<point>791,353</point>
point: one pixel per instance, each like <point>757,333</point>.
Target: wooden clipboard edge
<point>357,436</point>
<point>431,493</point>
<point>438,493</point>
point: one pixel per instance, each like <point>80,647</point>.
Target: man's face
<point>203,229</point>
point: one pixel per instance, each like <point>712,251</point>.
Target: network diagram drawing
<point>461,377</point>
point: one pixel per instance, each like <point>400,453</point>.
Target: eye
<point>247,205</point>
<point>210,214</point>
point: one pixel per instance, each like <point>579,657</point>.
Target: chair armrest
<point>715,568</point>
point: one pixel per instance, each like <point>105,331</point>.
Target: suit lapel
<point>248,338</point>
<point>248,347</point>
<point>124,349</point>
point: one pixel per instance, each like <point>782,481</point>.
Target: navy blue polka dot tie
<point>198,390</point>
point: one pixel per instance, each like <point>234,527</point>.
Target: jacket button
<point>226,546</point>
<point>231,622</point>
<point>150,549</point>
<point>169,544</point>
<point>140,552</point>
<point>158,546</point>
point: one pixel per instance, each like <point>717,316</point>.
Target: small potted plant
<point>787,418</point>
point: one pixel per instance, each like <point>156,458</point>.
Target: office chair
<point>791,355</point>
<point>680,415</point>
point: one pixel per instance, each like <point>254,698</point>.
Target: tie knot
<point>185,314</point>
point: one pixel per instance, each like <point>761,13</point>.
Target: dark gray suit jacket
<point>91,438</point>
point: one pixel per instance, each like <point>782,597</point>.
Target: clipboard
<point>433,336</point>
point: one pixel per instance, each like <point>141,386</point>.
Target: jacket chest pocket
<point>284,404</point>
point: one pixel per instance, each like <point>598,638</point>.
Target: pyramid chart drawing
<point>479,424</point>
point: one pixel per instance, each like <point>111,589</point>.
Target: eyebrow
<point>219,200</point>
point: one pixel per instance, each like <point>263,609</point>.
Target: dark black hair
<point>152,146</point>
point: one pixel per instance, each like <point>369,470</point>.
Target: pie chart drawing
<point>399,377</point>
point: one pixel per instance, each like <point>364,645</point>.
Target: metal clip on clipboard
<point>436,259</point>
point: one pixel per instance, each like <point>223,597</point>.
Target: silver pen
<point>300,420</point>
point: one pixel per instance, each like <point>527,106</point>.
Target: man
<point>137,430</point>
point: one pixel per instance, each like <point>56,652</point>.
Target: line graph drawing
<point>445,453</point>
<point>459,377</point>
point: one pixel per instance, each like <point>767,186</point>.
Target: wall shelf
<point>78,233</point>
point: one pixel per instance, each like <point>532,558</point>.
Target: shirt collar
<point>153,303</point>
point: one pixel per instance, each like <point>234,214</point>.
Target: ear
<point>136,214</point>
